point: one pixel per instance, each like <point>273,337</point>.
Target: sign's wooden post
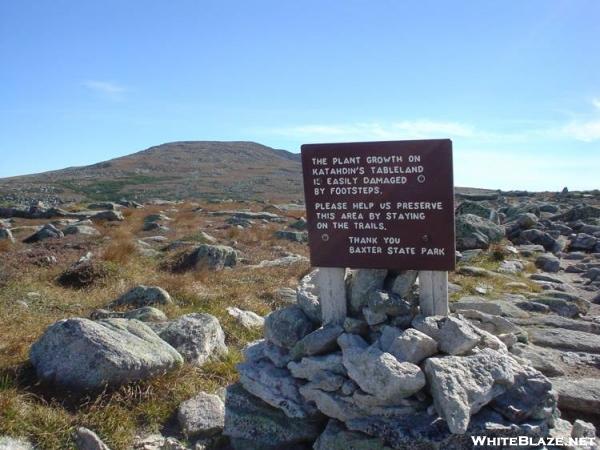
<point>433,293</point>
<point>332,294</point>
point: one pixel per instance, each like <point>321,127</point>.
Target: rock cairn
<point>387,377</point>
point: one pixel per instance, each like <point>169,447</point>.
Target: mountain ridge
<point>180,170</point>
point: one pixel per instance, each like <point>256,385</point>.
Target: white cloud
<point>409,129</point>
<point>596,103</point>
<point>107,88</point>
<point>586,131</point>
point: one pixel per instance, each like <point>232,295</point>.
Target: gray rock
<point>562,339</point>
<point>309,367</point>
<point>530,249</point>
<point>145,314</point>
<point>538,237</point>
<point>412,346</point>
<point>307,295</point>
<point>202,415</point>
<point>372,317</point>
<point>84,354</point>
<point>48,231</point>
<point>248,319</point>
<point>545,277</point>
<point>511,267</point>
<point>578,394</point>
<point>255,350</point>
<point>6,235</point>
<point>251,424</point>
<point>337,437</point>
<point>583,429</point>
<point>355,326</point>
<point>476,232</point>
<point>197,336</point>
<point>530,397</point>
<point>379,373</point>
<point>299,224</point>
<point>424,431</point>
<point>9,443</point>
<point>583,242</point>
<point>284,261</point>
<point>462,385</point>
<point>527,220</point>
<point>105,206</point>
<point>286,326</point>
<point>86,439</point>
<point>477,209</point>
<point>294,236</point>
<point>404,282</point>
<point>361,283</point>
<point>474,271</point>
<point>561,307</point>
<point>456,336</point>
<point>545,360</point>
<point>496,307</point>
<point>209,257</point>
<point>81,229</point>
<point>429,325</point>
<point>277,355</point>
<point>109,216</point>
<point>142,296</point>
<point>157,442</point>
<point>548,263</point>
<point>275,386</point>
<point>322,340</point>
<point>383,302</point>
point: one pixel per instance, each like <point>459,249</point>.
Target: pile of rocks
<point>387,377</point>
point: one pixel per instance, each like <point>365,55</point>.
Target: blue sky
<point>515,84</point>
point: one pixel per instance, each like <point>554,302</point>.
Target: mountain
<point>176,170</point>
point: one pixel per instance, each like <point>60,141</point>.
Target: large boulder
<point>251,424</point>
<point>207,257</point>
<point>462,385</point>
<point>197,336</point>
<point>83,354</point>
<point>141,295</point>
<point>474,232</point>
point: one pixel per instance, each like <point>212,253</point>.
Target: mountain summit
<point>176,170</point>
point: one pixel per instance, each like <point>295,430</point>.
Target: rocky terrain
<point>196,325</point>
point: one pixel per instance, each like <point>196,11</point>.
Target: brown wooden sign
<point>380,204</point>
